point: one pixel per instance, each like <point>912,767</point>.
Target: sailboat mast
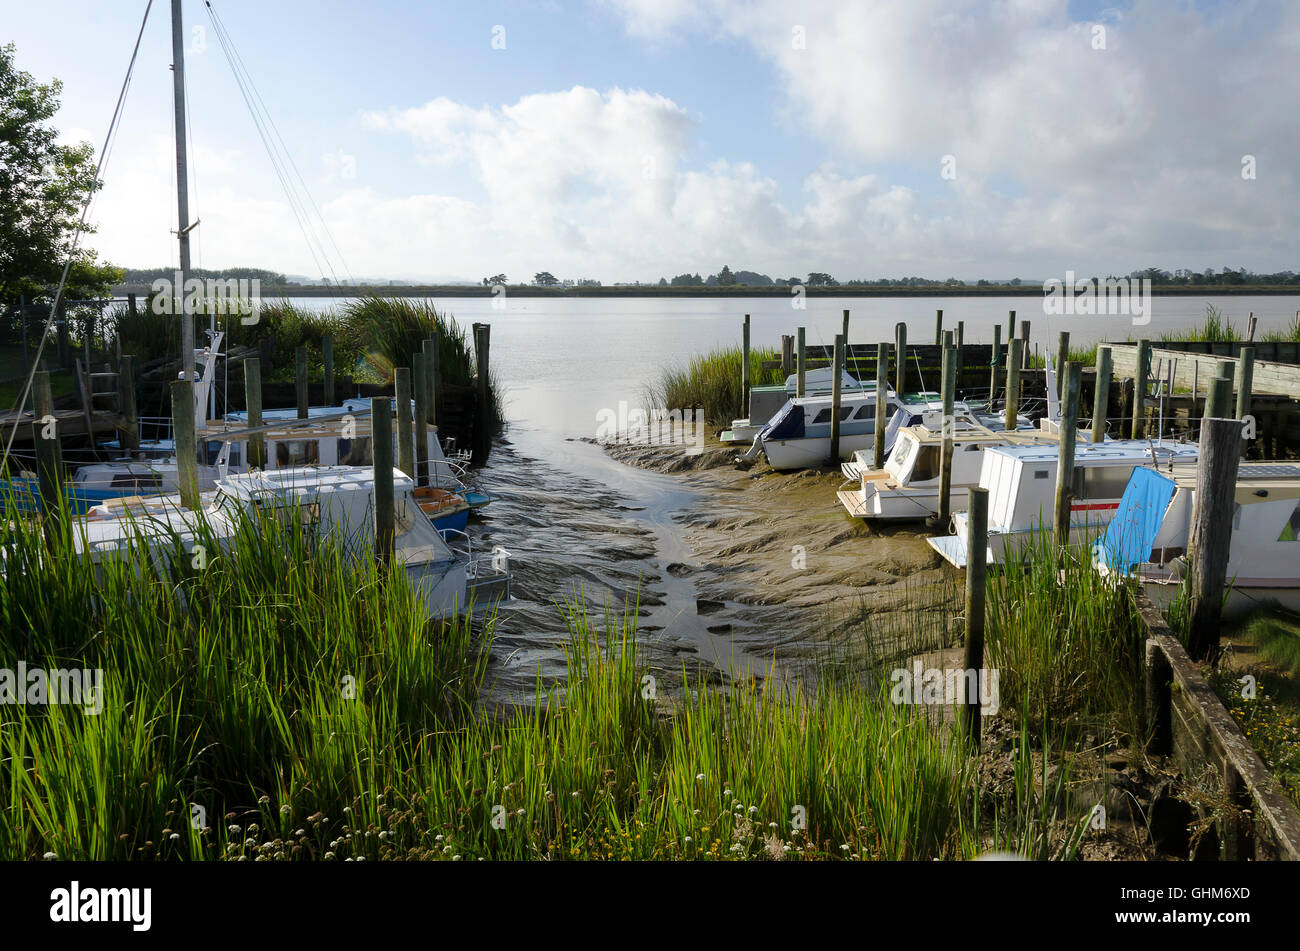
<point>182,192</point>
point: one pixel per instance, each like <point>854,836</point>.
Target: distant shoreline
<point>650,290</point>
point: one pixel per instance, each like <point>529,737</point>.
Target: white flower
<point>455,858</point>
<point>753,809</point>
<point>50,857</point>
<point>699,777</point>
<point>844,848</point>
<point>686,840</point>
<point>285,810</point>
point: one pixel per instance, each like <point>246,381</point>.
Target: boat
<point>798,436</point>
<point>1021,481</point>
<point>765,401</point>
<point>334,500</point>
<point>1148,537</point>
<point>908,485</point>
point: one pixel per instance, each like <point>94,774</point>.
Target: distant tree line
<point>150,274</point>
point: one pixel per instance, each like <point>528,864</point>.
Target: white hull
<point>811,451</point>
<point>900,504</point>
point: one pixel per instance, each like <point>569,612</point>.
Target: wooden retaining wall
<point>1197,367</point>
<point>1188,721</point>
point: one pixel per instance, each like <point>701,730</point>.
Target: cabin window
<point>297,452</point>
<point>1040,473</point>
<point>1101,482</point>
<point>235,457</point>
<point>825,415</point>
<point>927,464</point>
<point>356,452</point>
<point>1291,530</point>
<point>138,480</point>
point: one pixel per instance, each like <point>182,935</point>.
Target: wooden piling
<point>882,384</point>
<point>1250,327</point>
<point>1024,343</point>
<point>126,403</point>
<point>1211,531</point>
<point>993,364</point>
<point>1062,356</point>
<point>961,342</point>
<point>900,358</point>
<point>1011,325</point>
<point>327,357</point>
<point>744,369</point>
<point>977,526</point>
<point>1138,426</point>
<point>300,379</point>
<point>253,404</point>
<point>405,443</point>
<point>845,332</point>
<point>837,366</point>
<point>381,421</point>
<point>1015,356</point>
<point>1071,374</point>
<point>938,328</point>
<point>1101,395</point>
<point>483,421</point>
<point>801,367</point>
<point>1218,399</point>
<point>948,390</point>
<point>187,450</point>
<point>431,380</point>
<point>49,451</point>
<point>787,354</point>
<point>419,430</point>
<point>1245,379</point>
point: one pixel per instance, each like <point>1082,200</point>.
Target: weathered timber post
<point>1101,395</point>
<point>900,358</point>
<point>253,404</point>
<point>1070,379</point>
<point>744,369</point>
<point>483,422</point>
<point>845,332</point>
<point>801,364</point>
<point>1250,327</point>
<point>419,432</point>
<point>993,364</point>
<point>1014,357</point>
<point>405,442</point>
<point>187,451</point>
<point>882,384</point>
<point>947,432</point>
<point>961,342</point>
<point>327,356</point>
<point>300,379</point>
<point>938,328</point>
<point>127,403</point>
<point>1024,342</point>
<point>431,380</point>
<point>1141,373</point>
<point>787,354</point>
<point>837,367</point>
<point>1245,380</point>
<point>1011,325</point>
<point>1159,724</point>
<point>381,422</point>
<point>1218,398</point>
<point>1210,537</point>
<point>1062,357</point>
<point>977,527</point>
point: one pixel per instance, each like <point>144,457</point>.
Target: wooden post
<point>420,434</point>
<point>131,305</point>
<point>187,450</point>
<point>993,364</point>
<point>938,328</point>
<point>1101,395</point>
<point>977,527</point>
<point>431,380</point>
<point>1250,327</point>
<point>266,352</point>
<point>1011,325</point>
<point>49,452</point>
<point>800,365</point>
<point>1218,400</point>
<point>1210,537</point>
<point>61,322</point>
<point>1024,343</point>
<point>253,403</point>
<point>327,356</point>
<point>381,422</point>
<point>882,384</point>
<point>1245,380</point>
<point>961,342</point>
<point>1138,427</point>
<point>947,429</point>
<point>845,332</point>
<point>1015,355</point>
<point>744,369</point>
<point>127,404</point>
<point>483,423</point>
<point>837,365</point>
<point>1062,357</point>
<point>900,358</point>
<point>300,379</point>
<point>1159,674</point>
<point>22,318</point>
<point>405,444</point>
<point>787,354</point>
<point>1070,377</point>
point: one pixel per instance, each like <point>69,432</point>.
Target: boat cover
<point>786,424</point>
<point>1128,538</point>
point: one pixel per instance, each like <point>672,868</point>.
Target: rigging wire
<point>109,138</point>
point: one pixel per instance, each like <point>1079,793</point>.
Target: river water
<point>581,526</point>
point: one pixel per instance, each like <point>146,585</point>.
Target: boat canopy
<point>786,424</point>
<point>1128,539</point>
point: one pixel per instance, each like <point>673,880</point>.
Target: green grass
<point>711,382</point>
<point>1084,356</point>
<point>1215,329</point>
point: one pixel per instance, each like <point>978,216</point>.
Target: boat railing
<point>485,574</point>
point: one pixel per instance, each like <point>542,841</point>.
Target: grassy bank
<point>711,382</point>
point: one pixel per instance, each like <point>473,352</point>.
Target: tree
<point>495,279</point>
<point>820,278</point>
<point>663,282</point>
<point>42,188</point>
<point>545,279</point>
<point>725,276</point>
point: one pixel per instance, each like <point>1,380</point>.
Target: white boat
<point>1148,537</point>
<point>334,501</point>
<point>1022,492</point>
<point>765,401</point>
<point>908,486</point>
<point>799,435</point>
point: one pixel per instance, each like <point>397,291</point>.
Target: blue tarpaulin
<point>786,424</point>
<point>1130,535</point>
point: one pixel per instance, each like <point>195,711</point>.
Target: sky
<point>627,140</point>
